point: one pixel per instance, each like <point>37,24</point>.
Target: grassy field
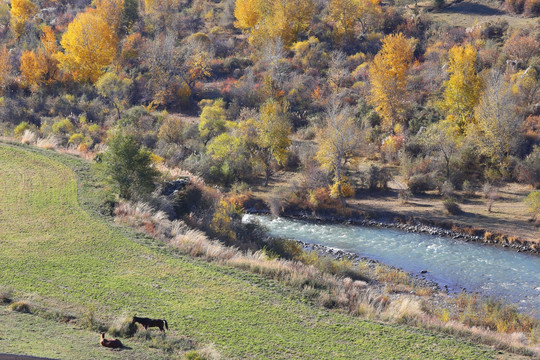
<point>60,252</point>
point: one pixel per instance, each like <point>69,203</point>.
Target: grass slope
<point>30,334</point>
<point>52,247</point>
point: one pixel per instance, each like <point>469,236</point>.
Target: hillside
<point>58,252</point>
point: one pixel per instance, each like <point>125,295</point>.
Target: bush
<point>420,183</point>
<point>21,128</point>
<point>529,170</point>
<point>376,178</point>
<point>129,167</point>
<point>123,326</point>
<point>533,202</point>
<point>6,295</point>
<point>63,127</point>
<point>288,249</point>
<point>452,207</point>
<point>20,306</point>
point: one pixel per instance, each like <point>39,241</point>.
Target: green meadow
<point>57,250</point>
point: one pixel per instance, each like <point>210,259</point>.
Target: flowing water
<point>489,270</point>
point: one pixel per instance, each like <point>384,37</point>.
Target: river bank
<point>453,264</point>
<point>420,225</point>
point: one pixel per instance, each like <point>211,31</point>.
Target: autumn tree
<point>247,13</point>
<point>111,11</point>
<point>265,20</point>
<point>497,122</point>
<point>21,12</point>
<point>344,15</point>
<point>262,139</point>
<point>463,88</point>
<point>89,46</point>
<point>5,68</point>
<point>339,143</point>
<point>114,89</point>
<point>212,121</point>
<point>49,51</point>
<point>174,69</point>
<point>273,135</point>
<point>33,68</point>
<point>389,78</point>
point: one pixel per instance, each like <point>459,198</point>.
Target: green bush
<point>21,128</point>
<point>129,167</point>
<point>533,202</point>
<point>452,206</point>
<point>63,127</point>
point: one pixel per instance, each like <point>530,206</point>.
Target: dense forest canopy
<point>232,90</point>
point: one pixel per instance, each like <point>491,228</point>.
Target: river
<point>488,270</point>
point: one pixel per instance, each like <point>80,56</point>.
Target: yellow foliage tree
<point>389,78</point>
<point>280,18</point>
<point>21,12</point>
<point>33,68</point>
<point>273,135</point>
<point>345,14</point>
<point>89,46</point>
<point>463,88</point>
<point>247,13</point>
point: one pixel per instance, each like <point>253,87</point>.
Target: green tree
<point>212,121</point>
<point>115,89</point>
<point>129,167</point>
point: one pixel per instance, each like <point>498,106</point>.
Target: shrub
<point>123,326</point>
<point>452,206</point>
<point>529,170</point>
<point>21,128</point>
<point>20,306</point>
<point>376,178</point>
<point>63,127</point>
<point>447,189</point>
<point>533,202</point>
<point>129,167</point>
<point>420,183</point>
<point>6,295</point>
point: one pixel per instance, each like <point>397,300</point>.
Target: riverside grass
<point>55,246</point>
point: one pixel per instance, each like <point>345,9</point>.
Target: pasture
<point>56,250</point>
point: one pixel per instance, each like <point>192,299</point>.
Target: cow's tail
<point>166,325</point>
